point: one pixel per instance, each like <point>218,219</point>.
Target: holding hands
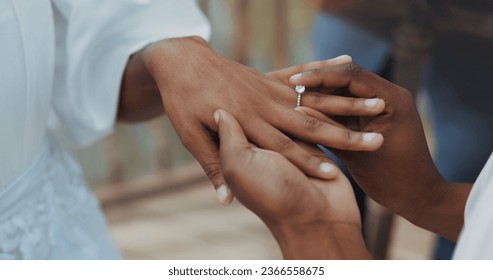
<point>306,215</point>
<point>315,218</point>
<point>262,104</point>
<point>401,174</point>
<point>267,152</point>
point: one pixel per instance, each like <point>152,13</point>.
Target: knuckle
<point>318,71</point>
<point>350,139</point>
<point>353,68</point>
<point>349,135</point>
<point>405,98</point>
<point>312,124</point>
<point>352,105</point>
<point>406,94</point>
<point>213,170</point>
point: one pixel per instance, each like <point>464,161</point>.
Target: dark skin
<point>324,223</point>
<point>401,174</point>
<point>188,80</point>
<point>306,215</point>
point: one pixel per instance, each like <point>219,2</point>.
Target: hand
<point>401,174</point>
<point>307,216</point>
<point>194,81</point>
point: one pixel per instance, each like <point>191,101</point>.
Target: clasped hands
<point>310,217</point>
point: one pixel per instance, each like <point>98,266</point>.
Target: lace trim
<point>51,221</point>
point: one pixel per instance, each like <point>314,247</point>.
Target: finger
<point>234,148</point>
<point>313,150</point>
<point>343,106</point>
<point>285,73</point>
<point>269,138</point>
<point>345,122</point>
<point>357,80</point>
<point>315,131</point>
<point>316,114</point>
<point>340,60</point>
<point>231,135</point>
<point>205,150</point>
<point>342,122</point>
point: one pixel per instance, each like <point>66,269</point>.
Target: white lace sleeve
<point>94,40</point>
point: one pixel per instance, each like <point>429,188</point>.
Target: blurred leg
<point>334,36</point>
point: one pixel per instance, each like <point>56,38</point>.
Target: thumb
<point>233,149</point>
<point>205,150</point>
<point>232,138</point>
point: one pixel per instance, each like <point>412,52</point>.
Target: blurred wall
<point>134,146</point>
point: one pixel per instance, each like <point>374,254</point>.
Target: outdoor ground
<point>191,224</point>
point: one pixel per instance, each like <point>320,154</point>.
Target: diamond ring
<point>299,91</point>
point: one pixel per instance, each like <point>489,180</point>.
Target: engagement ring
<point>299,91</point>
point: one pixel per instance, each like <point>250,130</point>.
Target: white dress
<point>61,64</point>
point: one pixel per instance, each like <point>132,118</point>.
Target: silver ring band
<point>299,89</point>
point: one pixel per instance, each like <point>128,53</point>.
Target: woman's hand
<point>310,218</point>
<point>401,174</point>
<point>194,81</point>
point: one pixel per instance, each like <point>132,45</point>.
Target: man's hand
<point>310,218</point>
<point>194,81</point>
<point>401,174</point>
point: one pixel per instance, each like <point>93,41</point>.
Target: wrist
<point>320,240</point>
<point>444,213</point>
<point>426,197</point>
<point>166,59</point>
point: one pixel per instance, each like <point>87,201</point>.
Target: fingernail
<point>295,77</point>
<point>217,116</point>
<point>371,103</point>
<point>222,194</point>
<point>368,137</point>
<point>343,58</point>
<point>327,168</point>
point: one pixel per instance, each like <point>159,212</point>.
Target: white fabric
<point>476,238</point>
<point>50,213</point>
<point>94,40</point>
<point>61,61</point>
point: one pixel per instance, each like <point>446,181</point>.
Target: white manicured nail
<point>371,103</point>
<point>368,137</point>
<point>343,58</point>
<point>217,115</point>
<point>326,167</point>
<point>222,194</point>
<point>295,77</point>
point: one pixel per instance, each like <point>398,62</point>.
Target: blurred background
<point>158,201</point>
